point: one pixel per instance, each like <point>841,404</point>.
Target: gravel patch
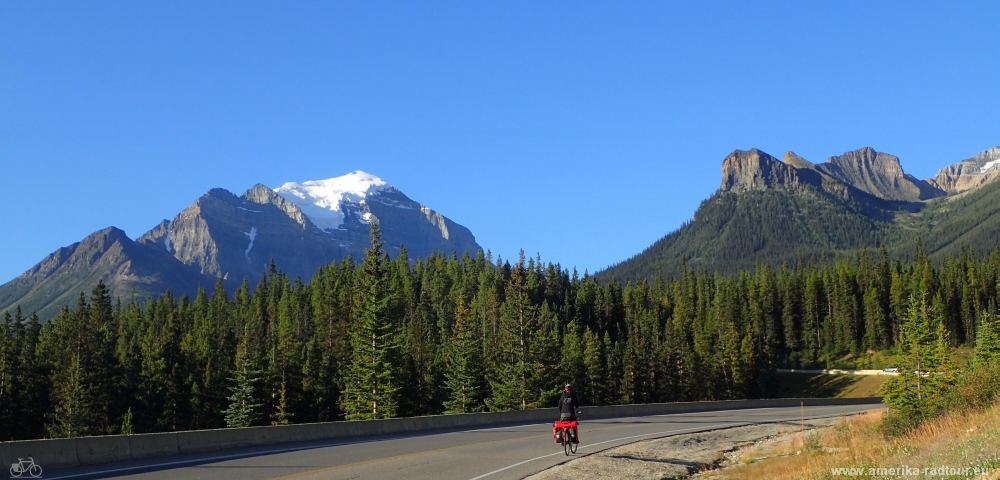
<point>675,457</point>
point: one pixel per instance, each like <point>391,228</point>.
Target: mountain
<point>776,211</point>
<point>298,226</point>
<point>126,267</point>
<point>970,173</point>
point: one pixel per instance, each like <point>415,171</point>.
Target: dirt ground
<point>671,457</point>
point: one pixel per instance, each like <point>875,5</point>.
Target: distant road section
<point>836,371</point>
<point>505,452</point>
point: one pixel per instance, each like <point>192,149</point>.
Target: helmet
<point>569,387</point>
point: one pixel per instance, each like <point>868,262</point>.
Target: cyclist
<point>568,403</point>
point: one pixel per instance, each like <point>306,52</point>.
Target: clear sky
<point>580,131</point>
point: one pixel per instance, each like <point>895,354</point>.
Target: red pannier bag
<point>561,424</point>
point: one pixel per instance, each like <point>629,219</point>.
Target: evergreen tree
<point>372,384</point>
<point>281,416</point>
<point>512,364</point>
<point>127,427</point>
<point>594,362</point>
<point>464,369</point>
<point>244,401</point>
<point>917,392</point>
<point>73,410</point>
<point>987,340</point>
<point>571,363</point>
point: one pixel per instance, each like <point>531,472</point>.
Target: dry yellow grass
<point>955,441</point>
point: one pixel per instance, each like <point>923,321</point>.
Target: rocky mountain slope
<point>298,226</point>
<point>774,211</point>
<point>127,267</point>
<point>970,173</point>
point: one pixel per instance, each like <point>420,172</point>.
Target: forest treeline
<point>446,334</point>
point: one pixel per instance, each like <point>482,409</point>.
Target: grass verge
<point>954,441</point>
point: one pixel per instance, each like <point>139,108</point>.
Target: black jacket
<point>568,403</point>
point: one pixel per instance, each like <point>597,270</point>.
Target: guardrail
<point>83,451</point>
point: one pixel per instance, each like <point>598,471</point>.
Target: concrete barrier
<point>198,441</point>
<point>107,449</point>
<point>54,453</point>
<point>5,456</point>
<point>145,445</point>
<point>74,452</point>
<point>236,437</point>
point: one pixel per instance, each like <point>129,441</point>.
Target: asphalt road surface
<point>469,454</point>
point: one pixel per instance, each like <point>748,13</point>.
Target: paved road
<point>487,453</point>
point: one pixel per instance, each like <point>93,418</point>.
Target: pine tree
<point>987,340</point>
<point>464,369</point>
<point>372,382</point>
<point>73,410</point>
<point>509,383</point>
<point>281,416</point>
<point>595,366</point>
<point>571,363</point>
<point>875,337</point>
<point>917,392</point>
<point>244,401</point>
<point>127,427</point>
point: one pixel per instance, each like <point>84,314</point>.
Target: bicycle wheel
<point>573,446</point>
<point>36,471</point>
<point>15,473</point>
<point>567,442</point>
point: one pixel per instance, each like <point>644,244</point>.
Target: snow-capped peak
<point>321,200</point>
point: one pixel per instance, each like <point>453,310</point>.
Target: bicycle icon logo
<point>22,467</point>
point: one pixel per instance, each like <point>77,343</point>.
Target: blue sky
<point>580,131</point>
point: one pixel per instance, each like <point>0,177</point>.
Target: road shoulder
<point>676,456</point>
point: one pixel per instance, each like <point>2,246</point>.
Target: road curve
<point>468,454</point>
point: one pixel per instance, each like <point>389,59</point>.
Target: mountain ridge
<point>232,237</point>
<point>775,212</point>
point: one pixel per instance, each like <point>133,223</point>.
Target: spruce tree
<point>281,416</point>
<point>917,391</point>
<point>509,383</point>
<point>571,363</point>
<point>372,384</point>
<point>127,427</point>
<point>464,369</point>
<point>244,401</point>
<point>987,340</point>
<point>73,409</point>
<point>594,363</point>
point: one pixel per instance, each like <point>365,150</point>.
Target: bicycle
<point>565,433</point>
<point>19,468</point>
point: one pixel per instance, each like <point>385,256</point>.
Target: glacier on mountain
<point>322,200</point>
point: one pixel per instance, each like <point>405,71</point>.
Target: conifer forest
<point>387,337</point>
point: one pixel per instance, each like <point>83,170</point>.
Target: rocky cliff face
<point>230,237</point>
<point>126,267</point>
<point>970,173</point>
<point>879,174</point>
<point>748,170</point>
